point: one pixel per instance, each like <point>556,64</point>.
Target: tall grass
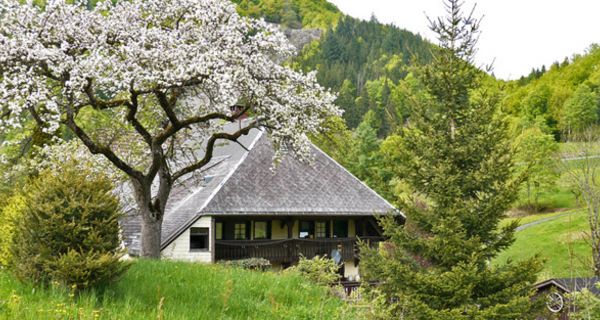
<point>177,290</point>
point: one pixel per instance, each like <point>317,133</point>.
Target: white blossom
<point>199,51</point>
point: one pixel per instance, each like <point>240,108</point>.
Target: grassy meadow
<point>561,243</point>
<point>178,290</point>
<point>561,236</point>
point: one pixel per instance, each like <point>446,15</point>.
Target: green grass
<point>561,243</point>
<point>532,218</point>
<point>177,290</point>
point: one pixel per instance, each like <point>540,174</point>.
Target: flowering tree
<point>148,84</point>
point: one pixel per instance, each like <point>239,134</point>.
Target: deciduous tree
<point>535,154</point>
<point>149,84</point>
<point>580,111</point>
<point>583,173</point>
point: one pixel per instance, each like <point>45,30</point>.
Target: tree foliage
<point>584,305</point>
<point>149,85</point>
<point>67,230</point>
<point>365,61</point>
<point>580,111</point>
<point>9,213</point>
<point>292,13</point>
<point>536,156</point>
<point>551,94</point>
<point>457,160</point>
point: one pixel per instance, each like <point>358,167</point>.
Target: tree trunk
<point>151,236</point>
<point>152,218</point>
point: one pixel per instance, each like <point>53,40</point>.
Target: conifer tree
<point>457,161</point>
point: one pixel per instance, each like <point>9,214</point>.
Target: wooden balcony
<point>287,250</point>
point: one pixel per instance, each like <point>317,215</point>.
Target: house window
<point>321,229</point>
<point>306,230</point>
<point>219,231</point>
<point>239,231</point>
<point>261,230</point>
<point>198,238</point>
<point>340,229</point>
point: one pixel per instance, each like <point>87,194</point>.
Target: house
<point>244,206</point>
<point>555,291</point>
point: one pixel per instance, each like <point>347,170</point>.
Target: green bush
<point>67,232</point>
<point>258,264</point>
<point>8,214</point>
<point>320,270</point>
<point>584,305</point>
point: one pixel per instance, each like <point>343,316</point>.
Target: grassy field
<point>175,290</point>
<point>533,217</point>
<point>560,242</point>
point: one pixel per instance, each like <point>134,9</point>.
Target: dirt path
<point>534,223</point>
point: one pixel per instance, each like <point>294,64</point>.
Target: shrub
<point>258,264</point>
<point>68,230</point>
<point>320,270</point>
<point>8,214</point>
<point>584,305</point>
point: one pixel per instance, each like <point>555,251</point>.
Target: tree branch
<point>40,123</point>
<point>173,128</point>
<point>99,149</point>
<point>139,128</point>
<point>210,148</point>
<point>167,107</point>
<point>101,104</point>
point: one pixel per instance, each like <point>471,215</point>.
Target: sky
<point>517,35</point>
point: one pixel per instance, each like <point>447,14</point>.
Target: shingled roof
<point>570,285</point>
<point>242,180</point>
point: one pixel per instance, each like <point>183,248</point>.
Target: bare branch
<point>100,149</point>
<point>139,128</point>
<point>167,107</point>
<point>173,128</point>
<point>210,148</point>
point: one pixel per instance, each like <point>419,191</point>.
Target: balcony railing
<point>287,250</point>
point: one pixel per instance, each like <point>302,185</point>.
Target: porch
<point>289,250</point>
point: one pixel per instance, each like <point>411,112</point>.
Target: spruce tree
<point>456,158</point>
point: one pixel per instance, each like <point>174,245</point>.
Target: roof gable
<point>570,285</point>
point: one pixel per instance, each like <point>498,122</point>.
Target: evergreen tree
<point>456,158</point>
<point>67,229</point>
<point>345,100</point>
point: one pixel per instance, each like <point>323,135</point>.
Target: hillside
<point>362,60</point>
<point>365,61</point>
<point>556,98</point>
<point>293,14</point>
<point>182,291</point>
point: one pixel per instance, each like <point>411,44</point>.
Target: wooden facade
<point>289,250</point>
<point>285,240</point>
